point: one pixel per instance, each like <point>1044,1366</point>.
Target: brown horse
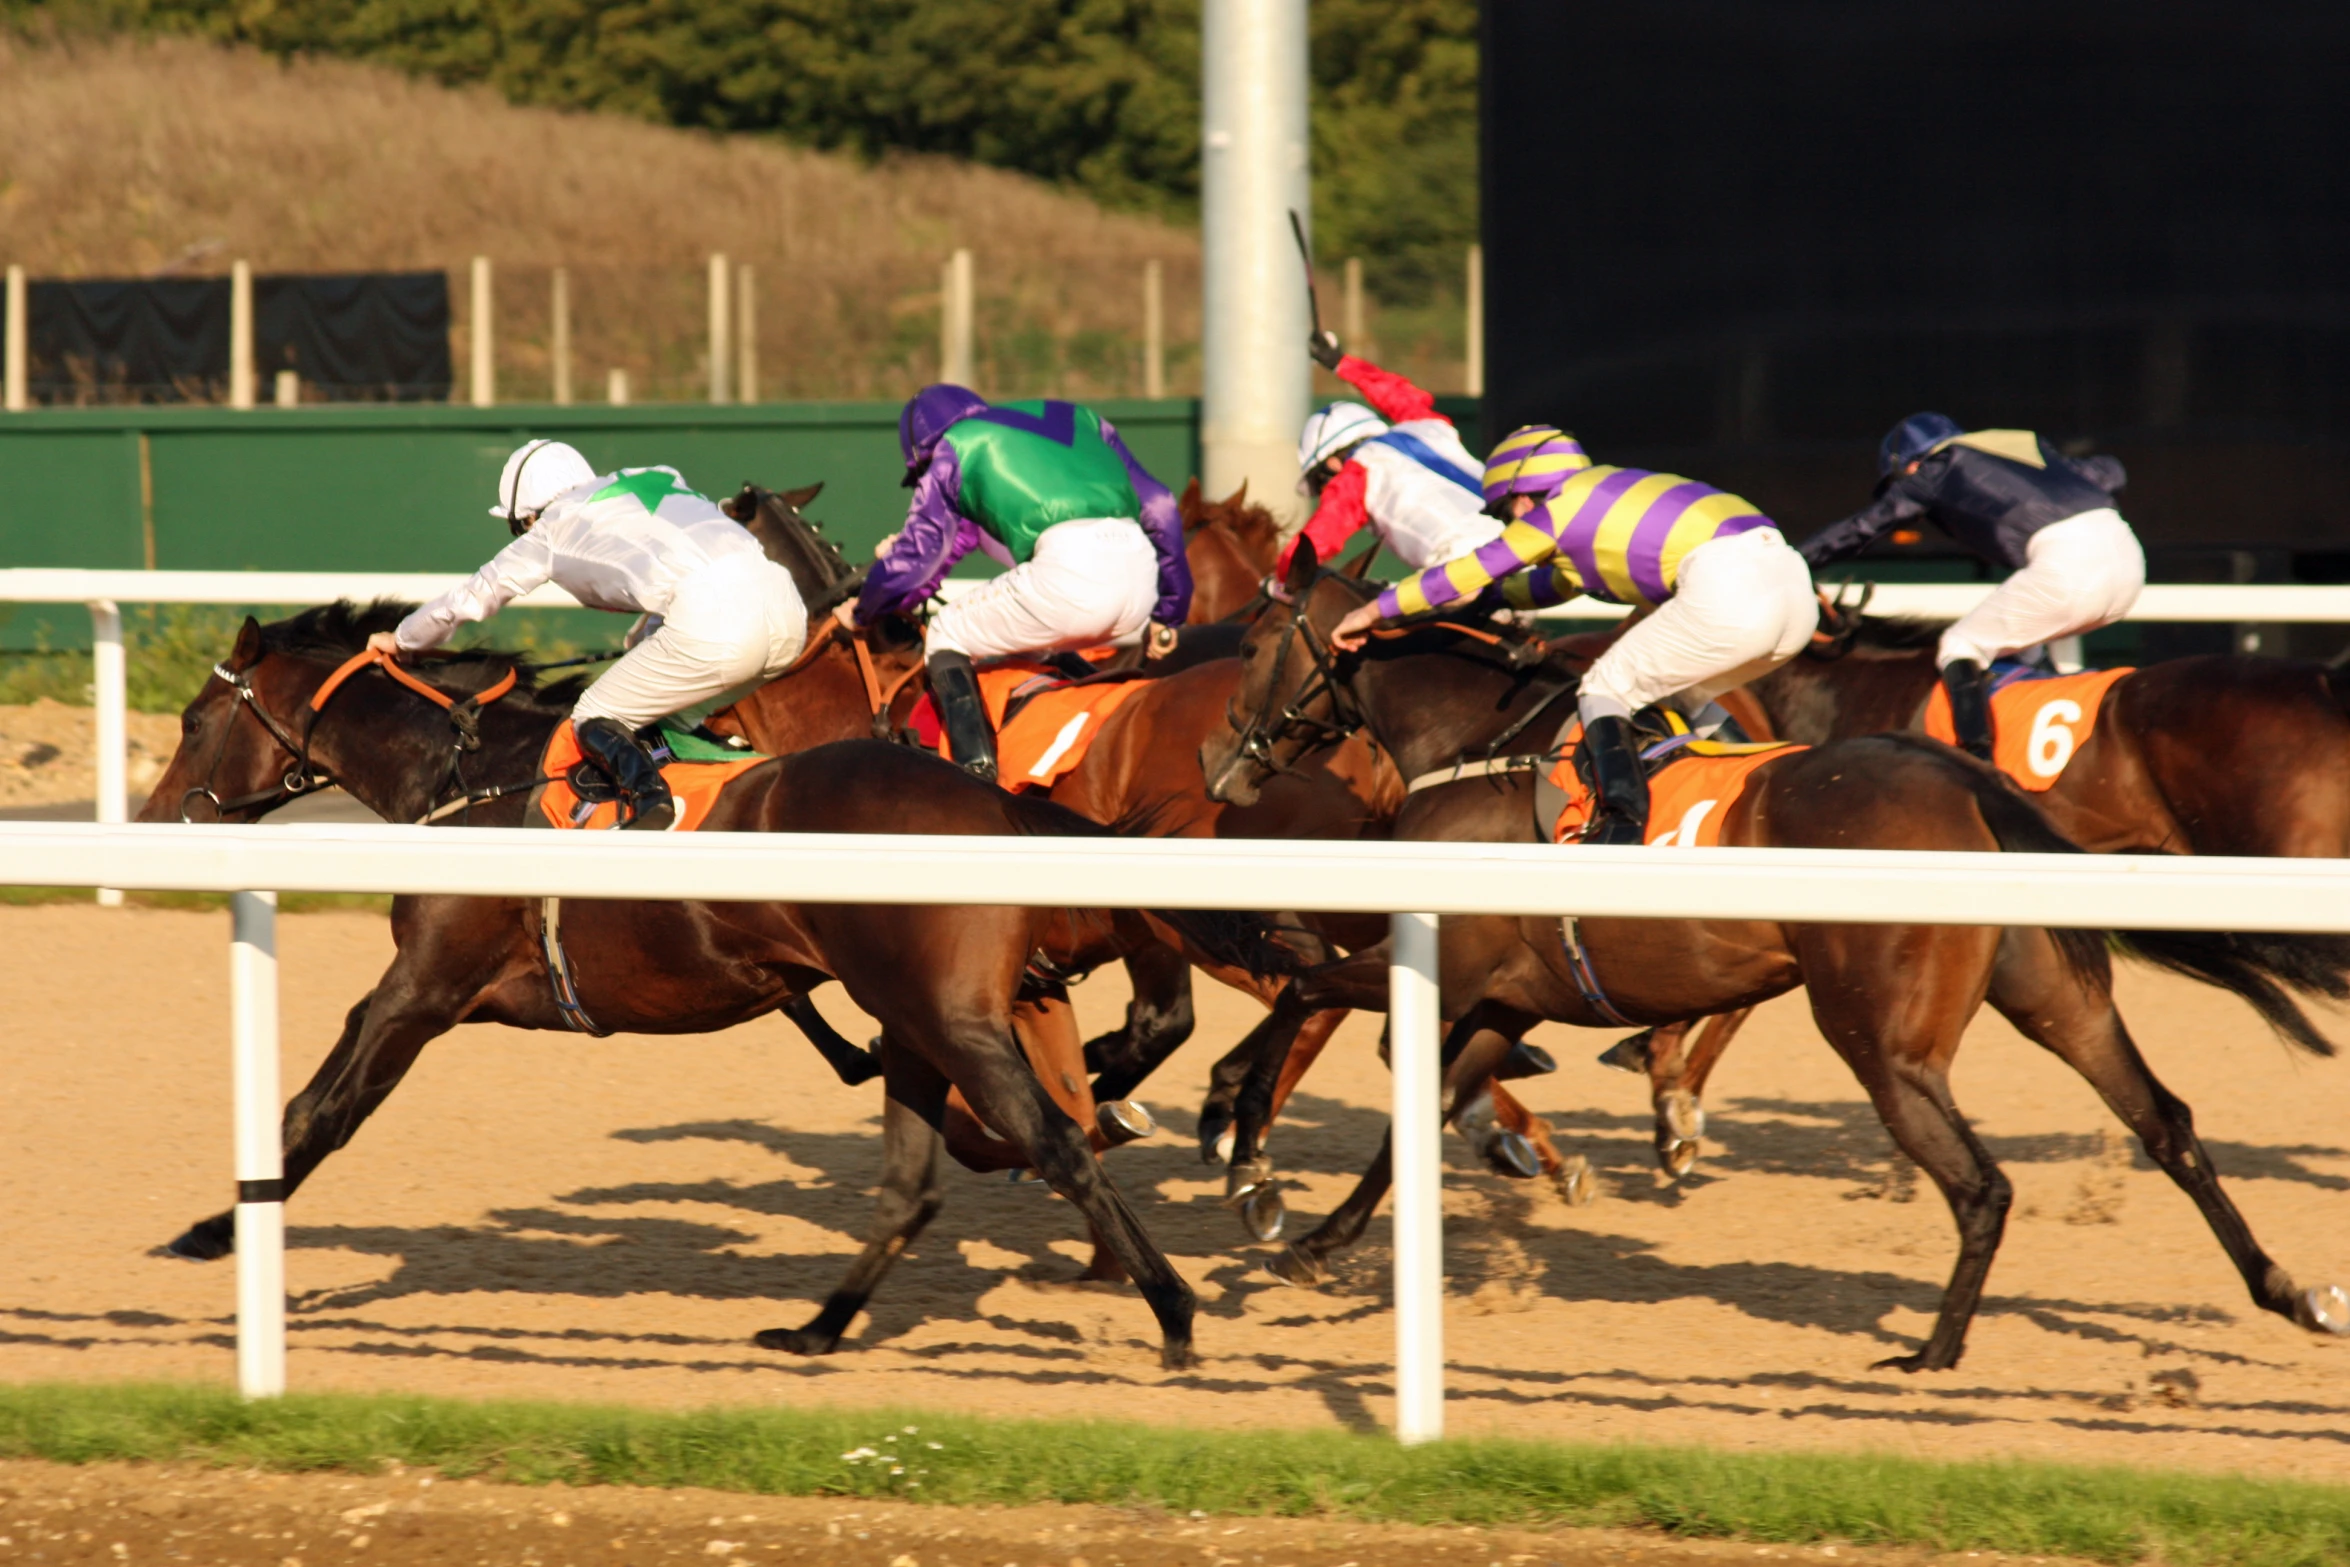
<point>941,980</point>
<point>1892,1000</point>
<point>1231,546</point>
<point>2214,755</point>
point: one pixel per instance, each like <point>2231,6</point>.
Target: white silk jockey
<point>720,614</point>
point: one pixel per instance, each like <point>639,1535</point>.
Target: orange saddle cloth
<point>1688,798</point>
<point>2036,725</point>
<point>1054,722</point>
<point>573,792</point>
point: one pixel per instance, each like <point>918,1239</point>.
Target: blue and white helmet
<point>1331,429</point>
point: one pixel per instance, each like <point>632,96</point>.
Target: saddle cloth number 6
<point>2051,743</point>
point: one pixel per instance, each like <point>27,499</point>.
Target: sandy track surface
<point>551,1216</point>
<point>108,1514</point>
<point>47,754</point>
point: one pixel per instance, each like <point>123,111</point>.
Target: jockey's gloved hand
<point>1325,348</point>
<point>1158,641</point>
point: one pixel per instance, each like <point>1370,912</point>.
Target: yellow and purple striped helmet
<point>1533,459</point>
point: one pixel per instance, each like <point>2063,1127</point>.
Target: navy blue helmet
<point>1911,439</point>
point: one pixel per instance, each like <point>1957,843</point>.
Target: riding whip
<point>1305,253</point>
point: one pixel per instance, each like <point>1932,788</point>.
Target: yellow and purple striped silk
<point>1615,533</point>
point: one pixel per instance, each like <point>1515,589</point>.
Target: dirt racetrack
<point>552,1216</point>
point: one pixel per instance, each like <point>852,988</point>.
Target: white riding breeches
<point>2078,574</point>
<point>1090,583</point>
<point>1741,607</point>
<point>734,622</point>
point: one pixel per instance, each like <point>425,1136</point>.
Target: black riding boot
<point>970,737</point>
<point>610,746</point>
<point>1969,686</point>
<point>1610,762</point>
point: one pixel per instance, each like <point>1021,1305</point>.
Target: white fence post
<point>261,1211</point>
<point>18,350</point>
<point>240,334</point>
<point>1473,287</point>
<point>1414,1056</point>
<point>957,353</point>
<point>288,390</point>
<point>721,330</point>
<point>746,336</point>
<point>1352,312</point>
<point>107,690</point>
<point>484,333</point>
<point>616,387</point>
<point>559,335</point>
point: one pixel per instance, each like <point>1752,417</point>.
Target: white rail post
<point>1473,378</point>
<point>261,1212</point>
<point>559,335</point>
<point>958,355</point>
<point>1154,329</point>
<point>1414,1056</point>
<point>15,395</point>
<point>484,332</point>
<point>288,389</point>
<point>106,680</point>
<point>1255,377</point>
<point>1353,313</point>
<point>721,330</point>
<point>746,335</point>
<point>616,387</point>
<point>240,334</point>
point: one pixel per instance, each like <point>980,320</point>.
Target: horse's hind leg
<point>852,1064</point>
<point>1158,1021</point>
<point>2071,1013</point>
<point>909,1200</point>
<point>1677,1088</point>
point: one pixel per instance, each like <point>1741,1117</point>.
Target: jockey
<point>1403,470</point>
<point>2025,507</point>
<point>719,613</point>
<point>1720,597</point>
<point>1094,543</point>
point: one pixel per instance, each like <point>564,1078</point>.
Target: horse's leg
<point>1894,1002</point>
<point>909,1200</point>
<point>1003,1091</point>
<point>1158,1021</point>
<point>2071,1014</point>
<point>852,1064</point>
<point>1677,1087</point>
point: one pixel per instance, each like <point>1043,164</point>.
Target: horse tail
<point>2261,968</point>
<point>1233,937</point>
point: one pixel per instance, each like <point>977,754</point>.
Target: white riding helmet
<point>537,473</point>
<point>1331,429</point>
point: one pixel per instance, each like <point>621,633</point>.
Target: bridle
<point>304,775</point>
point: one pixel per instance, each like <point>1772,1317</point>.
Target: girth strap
<point>559,976</point>
<point>1586,979</point>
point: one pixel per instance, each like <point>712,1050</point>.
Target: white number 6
<point>2051,744</point>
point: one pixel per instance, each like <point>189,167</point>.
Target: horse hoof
<point>1215,1138</point>
<point>1177,1357</point>
<point>2325,1309</point>
<point>1263,1214</point>
<point>1577,1182</point>
<point>1295,1267</point>
<point>1509,1155</point>
<point>859,1072</point>
<point>208,1241</point>
<point>1124,1121</point>
<point>795,1341</point>
<point>1677,1157</point>
<point>1683,1115</point>
<point>1630,1053</point>
<point>1526,1060</point>
<point>1244,1179</point>
<point>1911,1364</point>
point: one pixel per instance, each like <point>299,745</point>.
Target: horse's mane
<point>1896,633</point>
<point>1254,527</point>
<point>341,629</point>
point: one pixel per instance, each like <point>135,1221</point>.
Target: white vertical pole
<point>1474,293</point>
<point>559,333</point>
<point>1154,330</point>
<point>721,330</point>
<point>1354,304</point>
<point>106,676</point>
<point>1419,1195</point>
<point>17,353</point>
<point>746,336</point>
<point>1256,378</point>
<point>288,391</point>
<point>240,334</point>
<point>957,350</point>
<point>616,387</point>
<point>485,361</point>
<point>261,1215</point>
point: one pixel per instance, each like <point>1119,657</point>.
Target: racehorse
<point>1892,1000</point>
<point>1231,546</point>
<point>2208,755</point>
<point>299,704</point>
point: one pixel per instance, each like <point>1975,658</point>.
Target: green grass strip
<point>2111,1515</point>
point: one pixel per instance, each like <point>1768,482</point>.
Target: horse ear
<point>743,505</point>
<point>1304,566</point>
<point>795,499</point>
<point>1188,506</point>
<point>1238,498</point>
<point>247,652</point>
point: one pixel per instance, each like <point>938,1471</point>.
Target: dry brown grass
<point>117,157</point>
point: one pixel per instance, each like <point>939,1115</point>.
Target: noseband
<point>304,775</point>
<point>1266,729</point>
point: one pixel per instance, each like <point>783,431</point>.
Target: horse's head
<point>1293,697</point>
<point>796,542</point>
<point>253,738</point>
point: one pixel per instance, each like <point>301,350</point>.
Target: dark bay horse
<point>941,980</point>
<point>1892,1000</point>
<point>2210,755</point>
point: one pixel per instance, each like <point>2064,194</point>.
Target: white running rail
<point>2096,892</point>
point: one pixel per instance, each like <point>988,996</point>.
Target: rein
<point>304,776</point>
